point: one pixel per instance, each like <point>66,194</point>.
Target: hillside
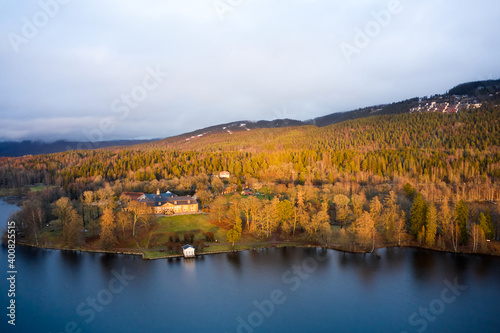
<point>442,147</point>
<point>479,89</point>
<point>221,133</point>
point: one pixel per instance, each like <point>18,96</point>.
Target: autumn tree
<point>107,238</point>
<point>478,238</point>
<point>255,207</point>
<point>73,229</point>
<point>135,209</point>
<point>376,213</point>
<point>346,238</point>
<point>400,227</point>
<point>217,186</point>
<point>34,217</point>
<point>445,219</point>
<point>431,225</point>
<point>300,215</point>
<point>358,201</point>
<point>318,227</point>
<point>204,196</point>
<point>88,200</point>
<point>62,208</point>
<point>124,221</point>
<point>71,222</point>
<point>218,208</point>
<point>234,234</point>
<point>149,222</point>
<point>284,213</point>
<point>390,216</point>
<point>106,197</point>
<point>341,208</point>
<point>246,207</point>
<point>364,230</point>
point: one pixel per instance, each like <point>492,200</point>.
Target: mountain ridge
<point>481,90</point>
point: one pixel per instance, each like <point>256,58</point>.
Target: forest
<point>424,179</point>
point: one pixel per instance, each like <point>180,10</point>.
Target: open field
<point>195,223</point>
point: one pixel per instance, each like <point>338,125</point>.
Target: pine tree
<point>417,215</point>
<point>487,225</point>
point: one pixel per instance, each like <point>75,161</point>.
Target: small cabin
<point>188,251</point>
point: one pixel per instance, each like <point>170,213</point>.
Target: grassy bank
<point>199,224</point>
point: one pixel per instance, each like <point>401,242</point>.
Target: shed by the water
<point>188,251</point>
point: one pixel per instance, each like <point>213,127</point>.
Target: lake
<point>273,290</point>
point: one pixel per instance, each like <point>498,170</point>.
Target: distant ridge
<point>477,89</point>
<point>15,149</point>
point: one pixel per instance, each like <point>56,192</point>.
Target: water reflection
<point>234,258</point>
<point>108,263</point>
<point>71,258</point>
<point>375,287</point>
<point>365,266</point>
<point>483,266</point>
<point>423,265</point>
<point>393,257</point>
<point>461,267</point>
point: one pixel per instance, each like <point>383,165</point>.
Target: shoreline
<point>333,247</point>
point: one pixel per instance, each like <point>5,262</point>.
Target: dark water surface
<point>274,290</point>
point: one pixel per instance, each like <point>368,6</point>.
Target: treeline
<point>50,217</point>
<point>367,218</point>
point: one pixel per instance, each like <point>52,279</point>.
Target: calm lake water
<point>274,290</point>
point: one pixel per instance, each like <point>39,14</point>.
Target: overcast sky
<point>123,69</point>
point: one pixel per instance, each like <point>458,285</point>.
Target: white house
<point>188,251</point>
<point>224,174</point>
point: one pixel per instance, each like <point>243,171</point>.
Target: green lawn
<point>38,188</point>
<point>197,223</point>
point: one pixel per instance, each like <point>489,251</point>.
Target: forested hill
<point>468,129</point>
<point>241,128</point>
<point>394,108</point>
<point>479,89</point>
<point>444,147</point>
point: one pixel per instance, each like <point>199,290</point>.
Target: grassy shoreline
<point>152,245</point>
<point>154,254</point>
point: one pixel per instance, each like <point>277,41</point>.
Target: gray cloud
<point>265,55</point>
